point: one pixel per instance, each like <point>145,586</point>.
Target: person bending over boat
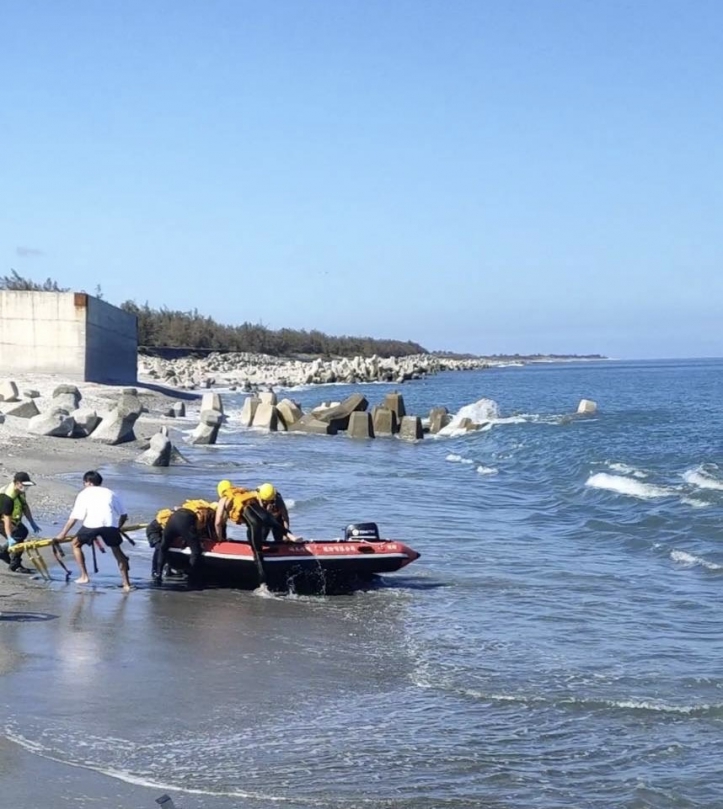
<point>191,523</point>
<point>13,507</point>
<point>102,515</point>
<point>271,499</point>
<point>262,512</point>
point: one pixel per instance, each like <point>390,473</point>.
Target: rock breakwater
<point>249,371</point>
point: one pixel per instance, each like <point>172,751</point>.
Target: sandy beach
<point>46,458</point>
<point>56,466</point>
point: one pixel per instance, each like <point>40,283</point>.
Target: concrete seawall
<point>67,333</point>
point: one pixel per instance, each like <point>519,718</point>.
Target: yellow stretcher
<point>32,547</point>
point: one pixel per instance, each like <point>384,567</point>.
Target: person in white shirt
<point>102,515</point>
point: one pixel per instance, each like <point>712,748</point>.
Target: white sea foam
<point>694,502</point>
<point>626,469</point>
<point>487,470</point>
<point>703,477</point>
<point>690,560</point>
<point>628,486</point>
<point>590,702</point>
<point>454,458</point>
<point>479,412</point>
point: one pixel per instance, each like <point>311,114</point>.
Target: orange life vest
<point>236,501</point>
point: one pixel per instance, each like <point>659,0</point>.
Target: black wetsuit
<point>154,535</point>
<point>259,523</point>
<point>183,525</point>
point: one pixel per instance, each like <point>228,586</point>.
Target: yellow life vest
<point>163,516</point>
<point>204,511</point>
<point>236,501</point>
<point>18,499</point>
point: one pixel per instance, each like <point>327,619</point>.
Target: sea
<point>558,644</point>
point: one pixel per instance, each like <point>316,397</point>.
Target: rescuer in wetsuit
<point>191,523</point>
<point>262,512</point>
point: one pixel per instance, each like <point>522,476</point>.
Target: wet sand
<point>29,781</point>
<point>57,465</point>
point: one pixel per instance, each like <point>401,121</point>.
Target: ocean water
<point>558,644</point>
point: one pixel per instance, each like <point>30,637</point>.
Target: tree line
<point>167,328</point>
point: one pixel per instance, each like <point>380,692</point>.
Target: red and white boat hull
<point>340,559</point>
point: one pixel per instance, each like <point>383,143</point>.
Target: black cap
<point>23,477</point>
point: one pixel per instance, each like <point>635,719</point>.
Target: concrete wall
<point>70,334</point>
<point>111,343</point>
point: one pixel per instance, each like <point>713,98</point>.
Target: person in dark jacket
<point>13,508</point>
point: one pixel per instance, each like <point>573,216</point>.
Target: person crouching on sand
<point>13,507</point>
<point>102,515</point>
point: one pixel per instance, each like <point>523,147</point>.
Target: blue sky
<point>495,177</point>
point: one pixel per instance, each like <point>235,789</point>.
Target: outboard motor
<point>367,531</point>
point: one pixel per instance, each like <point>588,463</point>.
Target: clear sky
<point>496,177</point>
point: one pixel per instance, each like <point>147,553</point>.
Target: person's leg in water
<point>154,535</point>
<point>82,538</point>
<point>193,540</point>
<point>181,524</point>
<point>257,529</point>
<point>19,534</point>
<point>113,539</point>
<point>161,552</point>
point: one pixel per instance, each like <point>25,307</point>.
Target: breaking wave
<point>628,486</point>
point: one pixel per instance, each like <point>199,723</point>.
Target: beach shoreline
<point>56,466</point>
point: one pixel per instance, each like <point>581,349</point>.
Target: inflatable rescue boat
<point>357,556</point>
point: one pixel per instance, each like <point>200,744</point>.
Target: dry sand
<point>45,458</point>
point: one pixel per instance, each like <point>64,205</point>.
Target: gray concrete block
<point>587,407</point>
<point>266,417</point>
<point>22,410</point>
<point>116,427</point>
<point>52,423</point>
<point>288,411</point>
<point>267,397</point>
<point>212,401</point>
<point>385,421</point>
<point>309,424</point>
<point>360,425</point>
<point>8,391</point>
<point>438,418</point>
<point>395,401</point>
<point>248,411</point>
<point>410,428</point>
<point>204,434</point>
<point>339,416</point>
<point>159,453</point>
<point>86,420</point>
<point>179,409</point>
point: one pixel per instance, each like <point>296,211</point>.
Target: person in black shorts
<point>102,515</point>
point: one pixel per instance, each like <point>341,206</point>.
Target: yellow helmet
<point>223,487</point>
<point>267,492</point>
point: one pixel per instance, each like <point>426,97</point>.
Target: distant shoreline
<point>178,352</point>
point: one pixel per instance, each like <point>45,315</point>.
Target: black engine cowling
<point>367,531</point>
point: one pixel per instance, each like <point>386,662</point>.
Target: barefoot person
<point>102,514</point>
